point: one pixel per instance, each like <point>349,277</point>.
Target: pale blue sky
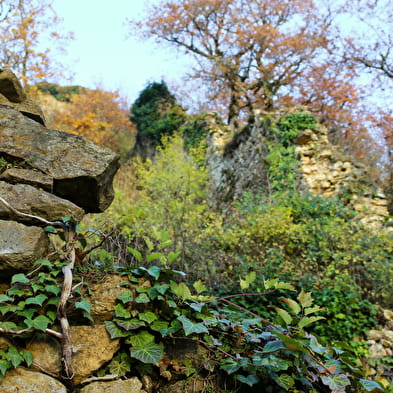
<point>101,56</point>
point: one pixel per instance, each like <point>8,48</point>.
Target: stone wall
<point>43,172</point>
<point>237,163</point>
<point>329,172</point>
<point>50,174</point>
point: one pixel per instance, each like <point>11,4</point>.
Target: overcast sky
<point>102,56</point>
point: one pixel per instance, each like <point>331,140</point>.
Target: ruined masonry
<point>237,164</point>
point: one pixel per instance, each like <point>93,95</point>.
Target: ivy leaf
<point>50,229</point>
<point>27,313</point>
<point>5,298</point>
<point>4,366</point>
<point>150,353</point>
<point>140,339</point>
<point>336,383</point>
<point>121,312</point>
<point>160,326</point>
<point>285,381</point>
<point>130,324</point>
<point>39,299</point>
<point>21,278</point>
<point>114,330</point>
<point>28,357</point>
<point>52,289</point>
<point>8,326</point>
<point>305,321</point>
<point>190,327</point>
<point>43,262</point>
<point>40,323</point>
<point>14,357</point>
<point>371,386</point>
<point>154,271</point>
<point>125,297</point>
<point>305,298</point>
<point>273,346</point>
<point>230,365</point>
<point>83,305</point>
<point>142,298</point>
<point>250,380</point>
<point>148,317</point>
<point>119,368</point>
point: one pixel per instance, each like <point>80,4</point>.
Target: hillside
<point>228,261</point>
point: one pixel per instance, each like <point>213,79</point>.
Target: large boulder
<point>21,380</point>
<point>20,247</point>
<point>82,172</point>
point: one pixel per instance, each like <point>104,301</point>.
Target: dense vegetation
<point>313,243</point>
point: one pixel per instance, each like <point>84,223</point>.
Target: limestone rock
<point>82,172</point>
<point>28,199</point>
<point>28,176</point>
<point>236,162</point>
<point>10,86</point>
<point>27,108</point>
<point>94,348</point>
<point>193,385</point>
<point>103,297</point>
<point>20,246</point>
<point>46,353</point>
<point>12,94</point>
<point>21,380</point>
<point>132,385</point>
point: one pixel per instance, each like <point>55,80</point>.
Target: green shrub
<point>156,114</point>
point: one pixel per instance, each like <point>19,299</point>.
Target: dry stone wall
<point>50,174</point>
<point>45,173</point>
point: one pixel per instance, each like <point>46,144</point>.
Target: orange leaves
<point>249,49</point>
<point>99,116</point>
<point>25,27</point>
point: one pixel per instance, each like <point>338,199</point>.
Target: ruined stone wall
<point>237,163</point>
<point>327,171</point>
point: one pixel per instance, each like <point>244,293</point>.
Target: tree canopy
<point>24,26</point>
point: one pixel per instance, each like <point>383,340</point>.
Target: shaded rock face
<point>82,172</point>
<point>236,162</point>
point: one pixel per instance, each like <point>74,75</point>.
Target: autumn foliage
<point>24,26</point>
<point>98,115</point>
